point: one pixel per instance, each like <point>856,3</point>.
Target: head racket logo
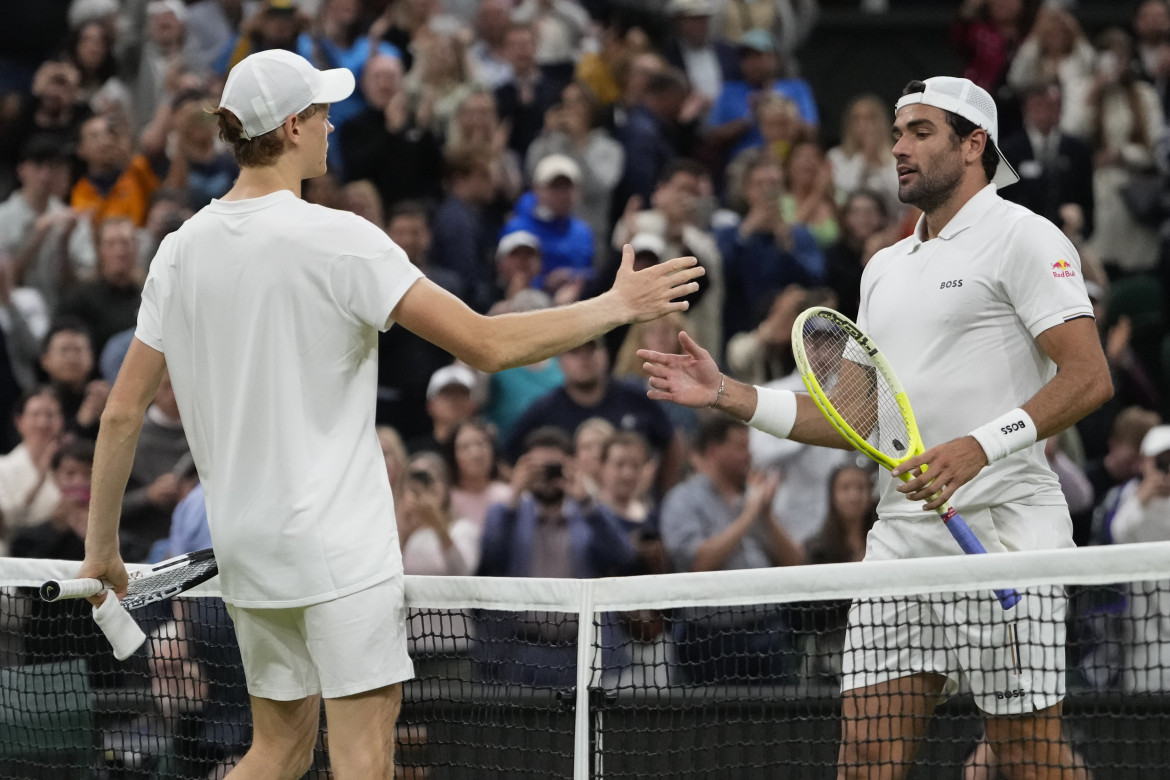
<point>1062,268</point>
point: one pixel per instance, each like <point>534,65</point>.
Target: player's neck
<point>938,217</point>
<point>261,181</point>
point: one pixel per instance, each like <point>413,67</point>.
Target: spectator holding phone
<point>1143,515</point>
<point>434,541</point>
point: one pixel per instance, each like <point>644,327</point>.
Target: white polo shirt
<point>958,318</point>
<point>268,312</point>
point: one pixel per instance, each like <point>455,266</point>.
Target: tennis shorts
<point>336,648</point>
<point>1012,661</point>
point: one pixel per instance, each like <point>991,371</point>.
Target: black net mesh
<point>713,692</point>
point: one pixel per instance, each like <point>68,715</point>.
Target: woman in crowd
<point>27,493</point>
<point>809,199</point>
<point>1056,50</point>
<point>588,442</point>
<point>434,541</point>
<point>863,159</point>
<point>470,453</point>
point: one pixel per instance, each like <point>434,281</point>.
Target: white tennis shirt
<point>958,317</point>
<point>268,312</point>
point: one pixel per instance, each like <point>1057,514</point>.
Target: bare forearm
<point>713,553</point>
<point>113,458</point>
<point>1079,387</point>
<point>527,337</point>
<point>783,550</point>
<point>739,401</point>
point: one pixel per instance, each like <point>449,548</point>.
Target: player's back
<point>267,310</point>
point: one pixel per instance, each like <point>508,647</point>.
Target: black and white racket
<point>160,582</point>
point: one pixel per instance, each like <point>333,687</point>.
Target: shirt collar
<point>968,216</point>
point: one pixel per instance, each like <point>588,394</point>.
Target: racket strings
<point>856,388</point>
<point>168,580</point>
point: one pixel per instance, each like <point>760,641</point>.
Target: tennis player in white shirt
<point>266,311</point>
<point>984,316</point>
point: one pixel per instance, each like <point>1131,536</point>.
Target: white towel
<point>115,622</point>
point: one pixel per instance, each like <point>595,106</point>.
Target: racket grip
<point>971,545</point>
<point>71,589</point>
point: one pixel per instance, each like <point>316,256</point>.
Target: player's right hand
<point>690,379</point>
<point>110,570</point>
<point>652,292</point>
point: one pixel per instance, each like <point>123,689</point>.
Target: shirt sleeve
<point>368,285</point>
<point>149,330</point>
<point>1041,275</point>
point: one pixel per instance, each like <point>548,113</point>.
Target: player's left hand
<point>941,470</point>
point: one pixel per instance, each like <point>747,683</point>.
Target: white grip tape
<point>74,589</point>
<point>115,622</point>
<point>775,412</point>
<point>1008,433</point>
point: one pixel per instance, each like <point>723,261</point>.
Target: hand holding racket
<point>856,389</point>
<point>162,581</point>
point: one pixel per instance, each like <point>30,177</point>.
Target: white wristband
<point>775,412</point>
<point>115,622</point>
<point>1006,434</point>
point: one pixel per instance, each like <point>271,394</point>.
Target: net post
<point>586,649</point>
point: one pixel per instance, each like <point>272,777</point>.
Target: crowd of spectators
<point>512,147</point>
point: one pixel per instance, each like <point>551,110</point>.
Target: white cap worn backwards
<point>970,101</point>
<point>268,87</point>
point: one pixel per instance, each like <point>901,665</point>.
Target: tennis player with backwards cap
<point>266,311</point>
<point>984,316</point>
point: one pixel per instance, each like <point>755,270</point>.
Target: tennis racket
<point>856,389</point>
<point>158,583</point>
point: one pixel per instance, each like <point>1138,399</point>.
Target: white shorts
<point>1012,660</point>
<point>335,648</point>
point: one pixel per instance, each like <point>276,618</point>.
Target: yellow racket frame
<point>821,398</point>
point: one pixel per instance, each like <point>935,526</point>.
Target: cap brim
<point>336,85</point>
<point>1005,174</point>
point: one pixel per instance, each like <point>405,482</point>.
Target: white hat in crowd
<point>691,8</point>
<point>1156,441</point>
<point>554,167</point>
<point>649,242</point>
<point>453,375</point>
<point>177,7</point>
<point>268,87</point>
<point>515,240</point>
<point>970,101</point>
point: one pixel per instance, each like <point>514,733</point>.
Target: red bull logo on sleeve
<point>1062,268</point>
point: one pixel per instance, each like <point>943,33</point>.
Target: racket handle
<point>971,545</point>
<point>71,589</point>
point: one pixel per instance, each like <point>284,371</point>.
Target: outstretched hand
<point>652,292</point>
<point>690,379</point>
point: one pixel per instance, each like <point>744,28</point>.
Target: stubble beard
<point>933,188</point>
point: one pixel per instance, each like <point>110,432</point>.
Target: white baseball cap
<point>970,101</point>
<point>554,167</point>
<point>1156,441</point>
<point>516,239</point>
<point>649,242</point>
<point>268,87</point>
<point>453,375</point>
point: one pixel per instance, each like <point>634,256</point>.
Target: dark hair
<point>714,429</point>
<point>681,165</point>
<point>549,436</point>
<point>41,149</point>
<point>66,323</point>
<point>466,161</point>
<point>962,128</point>
<point>74,448</point>
<point>263,149</point>
<point>35,392</point>
<point>408,208</point>
<point>882,206</point>
<point>666,81</point>
<point>108,67</point>
<point>624,439</point>
<point>448,448</point>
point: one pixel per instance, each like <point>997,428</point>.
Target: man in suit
<point>1056,169</point>
<point>708,62</point>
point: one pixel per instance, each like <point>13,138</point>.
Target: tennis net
<point>727,674</point>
